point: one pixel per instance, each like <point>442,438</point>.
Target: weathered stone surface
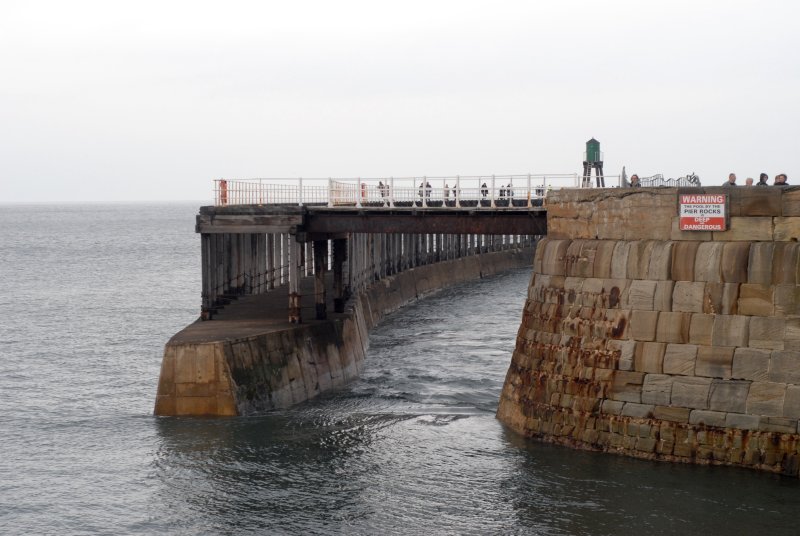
<point>714,361</point>
<point>673,327</point>
<point>766,399</point>
<point>790,202</point>
<point>619,261</point>
<point>701,329</point>
<point>640,295</point>
<point>662,299</point>
<point>767,332</point>
<point>760,263</point>
<point>781,425</point>
<point>742,422</point>
<point>677,235</point>
<point>751,364</point>
<point>626,350</point>
<point>721,298</point>
<point>660,266</point>
<point>671,414</point>
<point>643,325</point>
<point>627,386</point>
<point>688,297</point>
<point>785,366</point>
<point>639,411</point>
<point>729,395</point>
<point>707,262</point>
<point>639,258</point>
<point>756,300</point>
<point>683,260</point>
<point>787,299</point>
<point>746,229</point>
<point>757,202</point>
<point>730,330</point>
<point>791,404</point>
<point>554,252</point>
<point>603,258</point>
<point>691,392</point>
<point>612,407</point>
<point>785,262</point>
<point>707,418</point>
<point>649,357</point>
<point>680,359</point>
<point>735,256</point>
<point>657,389</point>
<point>787,228</point>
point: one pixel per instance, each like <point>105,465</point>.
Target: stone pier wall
<point>642,340</point>
<point>276,369</point>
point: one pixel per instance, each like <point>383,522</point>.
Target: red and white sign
<point>702,212</point>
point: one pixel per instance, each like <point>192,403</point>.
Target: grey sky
<point>152,100</point>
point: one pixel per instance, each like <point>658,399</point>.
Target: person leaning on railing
<point>635,181</point>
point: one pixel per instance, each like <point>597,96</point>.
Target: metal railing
<point>436,192</point>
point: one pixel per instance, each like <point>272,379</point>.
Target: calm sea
<point>92,293</point>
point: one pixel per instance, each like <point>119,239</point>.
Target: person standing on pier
<point>763,180</point>
<point>731,180</point>
<point>484,190</point>
<point>635,181</point>
<point>748,181</point>
<point>780,180</point>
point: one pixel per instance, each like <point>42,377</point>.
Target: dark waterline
<point>412,447</point>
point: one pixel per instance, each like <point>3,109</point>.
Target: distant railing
<point>436,192</point>
<point>658,180</point>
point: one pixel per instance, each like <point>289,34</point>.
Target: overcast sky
<point>152,100</point>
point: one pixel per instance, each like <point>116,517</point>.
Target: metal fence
<point>455,192</point>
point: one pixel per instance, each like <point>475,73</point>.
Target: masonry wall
<point>642,340</point>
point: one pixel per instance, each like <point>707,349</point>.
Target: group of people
<point>763,180</point>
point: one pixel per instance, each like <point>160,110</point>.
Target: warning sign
<point>702,212</point>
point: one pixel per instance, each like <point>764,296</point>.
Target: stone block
<point>691,392</point>
<point>627,351</point>
<point>639,411</point>
<point>714,361</point>
<point>721,298</point>
<point>554,253</point>
<point>780,425</point>
<point>640,295</point>
<point>639,258</point>
<point>735,256</point>
<point>707,418</point>
<point>672,414</point>
<point>792,333</point>
<point>649,357</point>
<point>760,263</point>
<point>643,325</point>
<point>677,235</point>
<point>766,399</point>
<point>751,364</point>
<point>680,359</point>
<point>784,366</point>
<point>756,300</point>
<point>683,260</point>
<point>728,395</point>
<point>741,421</point>
<point>657,389</point>
<point>786,228</point>
<point>627,386</point>
<point>688,297</point>
<point>603,258</point>
<point>660,267</point>
<point>701,329</point>
<point>787,299</point>
<point>615,289</point>
<point>612,407</point>
<point>730,330</point>
<point>747,229</point>
<point>791,403</point>
<point>707,262</point>
<point>619,261</point>
<point>757,202</point>
<point>662,299</point>
<point>790,202</point>
<point>673,327</point>
<point>766,332</point>
<point>785,262</point>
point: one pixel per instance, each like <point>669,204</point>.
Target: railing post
<point>529,190</point>
<point>330,192</point>
<point>458,191</point>
<point>300,191</point>
<point>358,193</point>
<point>425,191</point>
<point>391,192</point>
<point>493,205</point>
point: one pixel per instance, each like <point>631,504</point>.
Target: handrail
<point>437,192</point>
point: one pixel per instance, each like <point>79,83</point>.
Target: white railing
<point>518,191</point>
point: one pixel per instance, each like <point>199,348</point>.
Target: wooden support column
<point>320,266</point>
<point>339,256</point>
<point>294,248</point>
